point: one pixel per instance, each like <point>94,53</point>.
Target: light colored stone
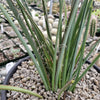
<point>50,16</point>
<point>96,82</point>
<point>45,34</point>
<point>87,76</point>
<point>23,48</point>
<point>16,23</point>
<point>50,26</point>
<point>63,28</point>
<point>33,87</point>
<point>44,24</point>
<point>33,12</point>
<point>2,29</point>
<point>22,75</point>
<point>62,34</point>
<point>95,88</point>
<point>76,97</point>
<point>50,20</point>
<point>56,20</point>
<point>54,31</point>
<point>24,80</point>
<point>40,22</point>
<point>31,63</point>
<point>40,28</point>
<point>98,61</point>
<point>36,19</point>
<point>53,39</point>
<point>9,66</point>
<point>42,17</point>
<point>3,72</point>
<point>0,81</point>
<point>55,24</point>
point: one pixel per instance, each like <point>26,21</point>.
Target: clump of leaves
<point>59,66</point>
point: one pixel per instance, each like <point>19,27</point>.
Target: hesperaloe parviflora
<point>59,66</point>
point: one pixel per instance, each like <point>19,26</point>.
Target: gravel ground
<point>87,86</point>
<point>27,77</point>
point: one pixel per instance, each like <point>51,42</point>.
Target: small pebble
<point>36,19</point>
<point>45,34</point>
<point>40,22</point>
<point>50,21</point>
<point>54,31</point>
<point>24,80</point>
<point>54,39</point>
<point>55,24</point>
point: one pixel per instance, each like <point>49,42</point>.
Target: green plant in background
<point>35,1</point>
<point>39,5</point>
<point>96,12</point>
<point>29,1</point>
<point>59,66</point>
<point>98,30</point>
<point>93,27</point>
<point>15,52</point>
<point>36,14</point>
<point>0,20</point>
<point>1,36</point>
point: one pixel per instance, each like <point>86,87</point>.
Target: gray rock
<point>24,80</point>
<point>3,72</point>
